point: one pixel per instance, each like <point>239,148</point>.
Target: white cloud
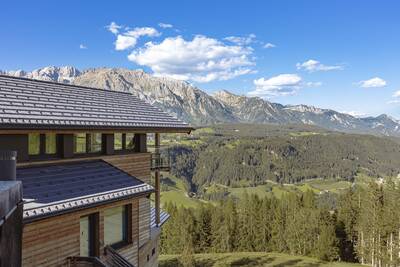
<point>201,59</point>
<point>82,46</point>
<point>129,39</point>
<point>114,27</point>
<point>396,94</point>
<point>269,45</point>
<point>313,84</point>
<point>314,65</point>
<point>241,40</point>
<point>373,83</point>
<point>165,25</point>
<point>283,84</point>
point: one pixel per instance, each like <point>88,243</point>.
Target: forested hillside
<point>362,227</point>
<point>234,157</point>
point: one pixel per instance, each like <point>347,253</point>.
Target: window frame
<point>42,148</point>
<point>126,142</point>
<point>123,143</point>
<point>93,231</point>
<point>125,149</point>
<point>88,144</point>
<point>74,143</point>
<point>127,228</point>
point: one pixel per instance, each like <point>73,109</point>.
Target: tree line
<point>363,226</point>
<point>238,161</point>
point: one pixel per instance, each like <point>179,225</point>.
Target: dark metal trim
<point>71,210</point>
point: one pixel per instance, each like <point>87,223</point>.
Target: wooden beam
<point>157,177</point>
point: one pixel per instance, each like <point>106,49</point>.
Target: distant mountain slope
<point>193,105</point>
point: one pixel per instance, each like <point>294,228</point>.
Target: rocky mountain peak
<point>193,105</point>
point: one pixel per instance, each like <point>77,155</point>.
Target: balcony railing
<point>114,259</point>
<point>85,262</point>
<point>160,159</point>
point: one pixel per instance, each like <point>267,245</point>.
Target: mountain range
<point>195,106</point>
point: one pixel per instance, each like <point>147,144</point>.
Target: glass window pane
<point>80,143</point>
<point>51,144</point>
<point>84,237</point>
<point>117,141</point>
<point>130,141</point>
<point>95,142</point>
<point>114,224</point>
<point>34,144</point>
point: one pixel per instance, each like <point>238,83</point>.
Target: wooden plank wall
<point>49,242</point>
<point>144,222</point>
<point>137,164</point>
<point>146,257</point>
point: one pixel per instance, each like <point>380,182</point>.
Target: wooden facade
<point>49,242</point>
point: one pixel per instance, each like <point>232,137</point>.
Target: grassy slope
<point>251,259</point>
<point>177,194</point>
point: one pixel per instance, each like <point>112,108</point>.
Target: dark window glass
<point>94,142</point>
<point>117,141</point>
<point>34,144</point>
<point>51,144</point>
<point>130,141</point>
<point>80,143</point>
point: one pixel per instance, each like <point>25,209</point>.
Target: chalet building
<point>85,168</point>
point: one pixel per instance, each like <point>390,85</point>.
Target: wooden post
<point>157,177</point>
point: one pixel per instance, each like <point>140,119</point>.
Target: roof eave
<point>34,218</point>
<point>29,128</point>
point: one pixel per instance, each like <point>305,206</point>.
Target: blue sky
<point>340,54</point>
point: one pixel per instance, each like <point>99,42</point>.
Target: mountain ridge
<point>193,105</point>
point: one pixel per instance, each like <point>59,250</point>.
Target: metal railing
<point>114,259</point>
<point>78,261</point>
<point>160,158</point>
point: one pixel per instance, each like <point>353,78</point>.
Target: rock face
<point>56,74</point>
<point>193,105</point>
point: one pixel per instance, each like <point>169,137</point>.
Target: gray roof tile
<point>60,188</point>
<point>39,103</point>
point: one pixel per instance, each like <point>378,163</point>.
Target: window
<point>94,142</point>
<point>34,144</point>
<point>118,141</point>
<point>80,143</point>
<point>130,141</point>
<point>42,144</point>
<point>115,225</point>
<point>50,144</point>
<point>89,235</point>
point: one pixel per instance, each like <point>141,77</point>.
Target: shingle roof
<point>163,217</point>
<point>60,188</point>
<point>33,103</point>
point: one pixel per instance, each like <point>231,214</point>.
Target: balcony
<point>78,261</point>
<point>160,162</point>
<point>160,159</point>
